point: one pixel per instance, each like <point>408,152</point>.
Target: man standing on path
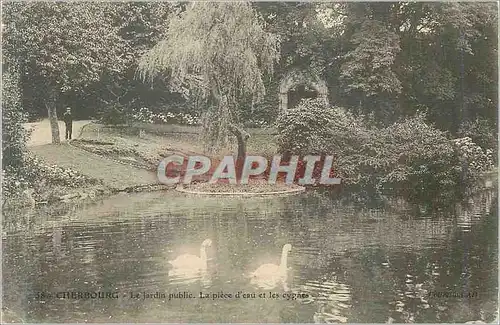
<point>68,120</point>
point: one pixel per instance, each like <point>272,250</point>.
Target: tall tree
<point>141,26</point>
<point>67,45</point>
<point>304,41</point>
<point>218,53</point>
<point>398,58</point>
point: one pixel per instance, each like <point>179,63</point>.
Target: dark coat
<point>68,118</point>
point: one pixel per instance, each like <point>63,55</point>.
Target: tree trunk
<point>50,103</point>
<point>242,137</point>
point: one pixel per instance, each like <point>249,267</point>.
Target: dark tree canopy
<point>385,60</point>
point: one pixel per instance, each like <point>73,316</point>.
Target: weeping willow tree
<point>219,53</point>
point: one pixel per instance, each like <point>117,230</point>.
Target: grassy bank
<point>64,173</point>
<point>107,159</point>
<point>167,129</point>
<point>112,175</point>
<point>145,145</point>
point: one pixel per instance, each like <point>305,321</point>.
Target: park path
<point>114,175</point>
<point>41,133</point>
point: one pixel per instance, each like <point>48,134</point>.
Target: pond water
<point>348,263</point>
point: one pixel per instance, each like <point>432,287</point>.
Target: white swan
<point>193,262</point>
<point>267,276</point>
<point>189,268</point>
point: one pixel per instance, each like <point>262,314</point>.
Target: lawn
<point>144,145</point>
<point>114,175</point>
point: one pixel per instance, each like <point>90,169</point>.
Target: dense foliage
<point>40,173</point>
<point>217,53</point>
<point>409,77</point>
<point>79,52</point>
<point>408,156</point>
<point>395,59</point>
<point>482,132</point>
<point>440,58</point>
<point>14,136</point>
<point>62,47</point>
<point>388,60</point>
<point>20,170</point>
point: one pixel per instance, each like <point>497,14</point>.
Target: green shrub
<point>408,157</point>
<point>14,136</point>
<point>414,157</point>
<point>481,132</point>
<point>475,161</point>
<point>13,184</point>
<point>315,128</point>
<point>38,171</point>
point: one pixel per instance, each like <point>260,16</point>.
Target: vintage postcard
<point>249,162</point>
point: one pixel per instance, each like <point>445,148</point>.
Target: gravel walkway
<point>41,133</point>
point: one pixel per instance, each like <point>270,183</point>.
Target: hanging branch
<point>211,48</point>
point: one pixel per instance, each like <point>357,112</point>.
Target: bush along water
<point>38,179</point>
<point>409,157</point>
<point>39,171</point>
<point>23,174</point>
<point>14,136</point>
<point>482,132</point>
